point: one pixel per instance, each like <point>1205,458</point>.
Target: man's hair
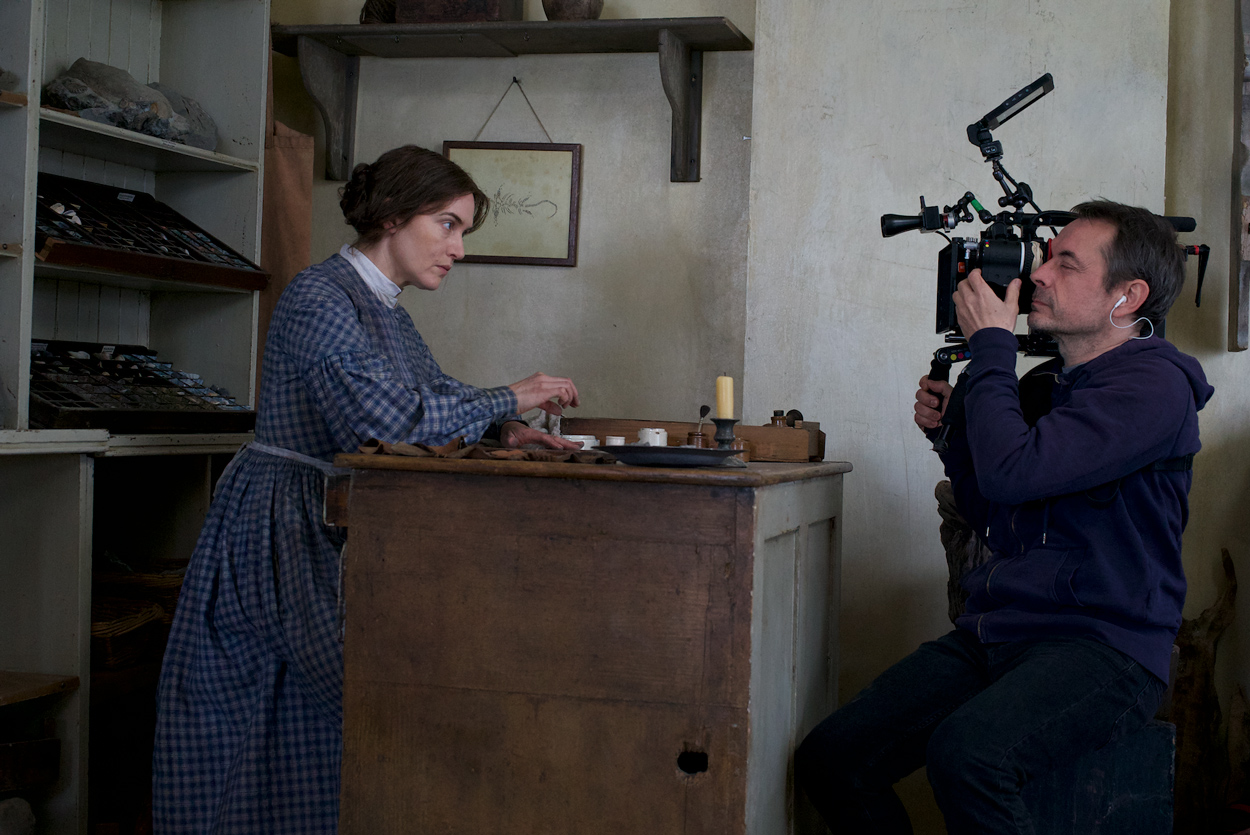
<point>1144,247</point>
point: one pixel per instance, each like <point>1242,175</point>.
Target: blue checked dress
<point>249,732</point>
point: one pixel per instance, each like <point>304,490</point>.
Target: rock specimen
<point>112,96</point>
<point>16,817</point>
<point>201,129</point>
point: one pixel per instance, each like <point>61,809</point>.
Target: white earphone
<point>1122,300</point>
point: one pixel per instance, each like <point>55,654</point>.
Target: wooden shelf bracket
<point>681,71</point>
<point>332,79</point>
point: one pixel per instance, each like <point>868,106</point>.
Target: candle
<point>724,397</point>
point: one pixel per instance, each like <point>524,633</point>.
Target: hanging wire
<point>517,82</point>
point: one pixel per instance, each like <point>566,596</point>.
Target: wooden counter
<point>541,649</point>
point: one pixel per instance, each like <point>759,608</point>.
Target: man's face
<point>1068,297</point>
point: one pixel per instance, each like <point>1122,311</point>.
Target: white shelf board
<point>90,275</point>
<point>52,441</point>
<point>66,132</point>
<point>181,444</point>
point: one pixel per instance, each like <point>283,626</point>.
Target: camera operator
<point>1076,477</point>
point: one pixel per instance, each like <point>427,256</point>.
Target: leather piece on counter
<point>480,452</point>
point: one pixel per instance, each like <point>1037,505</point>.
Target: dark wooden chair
<point>1124,788</point>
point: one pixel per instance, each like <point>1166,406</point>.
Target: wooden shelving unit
<point>329,57</point>
<point>64,492</point>
<point>20,687</point>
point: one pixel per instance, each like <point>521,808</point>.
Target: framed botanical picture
<point>534,192</point>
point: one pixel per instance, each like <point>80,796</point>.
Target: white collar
<point>382,287</point>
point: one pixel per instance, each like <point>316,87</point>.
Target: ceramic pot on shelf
<point>573,9</point>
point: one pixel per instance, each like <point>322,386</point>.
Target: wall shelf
<point>66,132</point>
<point>183,444</point>
<point>19,687</point>
<point>52,441</point>
<point>112,278</point>
<point>12,99</point>
<point>10,250</point>
<point>329,57</point>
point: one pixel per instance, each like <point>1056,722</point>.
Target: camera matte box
<point>458,11</point>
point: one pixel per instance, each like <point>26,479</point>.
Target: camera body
<point>1000,259</point>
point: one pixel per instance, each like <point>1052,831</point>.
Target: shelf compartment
<point>77,262</point>
<point>103,229</point>
<point>125,389</point>
<point>64,131</point>
<point>19,687</point>
<point>329,59</point>
<point>12,99</point>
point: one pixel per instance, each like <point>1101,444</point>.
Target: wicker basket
<point>161,589</point>
<point>124,631</point>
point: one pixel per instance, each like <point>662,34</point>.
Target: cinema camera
<point>1008,248</point>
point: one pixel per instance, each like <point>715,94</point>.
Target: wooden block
<point>778,443</point>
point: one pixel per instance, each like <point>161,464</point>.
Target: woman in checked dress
<point>249,732</point>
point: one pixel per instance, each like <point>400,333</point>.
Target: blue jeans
<point>984,719</point>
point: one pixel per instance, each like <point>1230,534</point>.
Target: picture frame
<point>535,191</point>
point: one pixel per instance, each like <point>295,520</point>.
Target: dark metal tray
<point>669,456</point>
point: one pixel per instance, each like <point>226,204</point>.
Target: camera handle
<point>940,370</point>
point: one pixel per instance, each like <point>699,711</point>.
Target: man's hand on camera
<point>977,306</point>
<point>931,402</point>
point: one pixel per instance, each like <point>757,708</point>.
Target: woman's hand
<point>513,434</point>
<point>551,394</point>
<point>931,400</point>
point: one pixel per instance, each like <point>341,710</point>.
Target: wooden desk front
<point>539,649</point>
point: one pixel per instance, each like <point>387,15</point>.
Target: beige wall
<point>839,321</point>
<point>655,309</point>
<point>858,108</point>
<point>1201,98</point>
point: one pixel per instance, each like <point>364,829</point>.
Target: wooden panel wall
<point>90,312</point>
<point>121,33</point>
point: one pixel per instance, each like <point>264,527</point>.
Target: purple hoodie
<point>1080,510</point>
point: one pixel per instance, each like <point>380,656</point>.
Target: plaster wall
<point>860,108</point>
<point>1203,160</point>
<point>655,309</point>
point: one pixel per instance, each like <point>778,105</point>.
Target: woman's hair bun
<point>357,190</point>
